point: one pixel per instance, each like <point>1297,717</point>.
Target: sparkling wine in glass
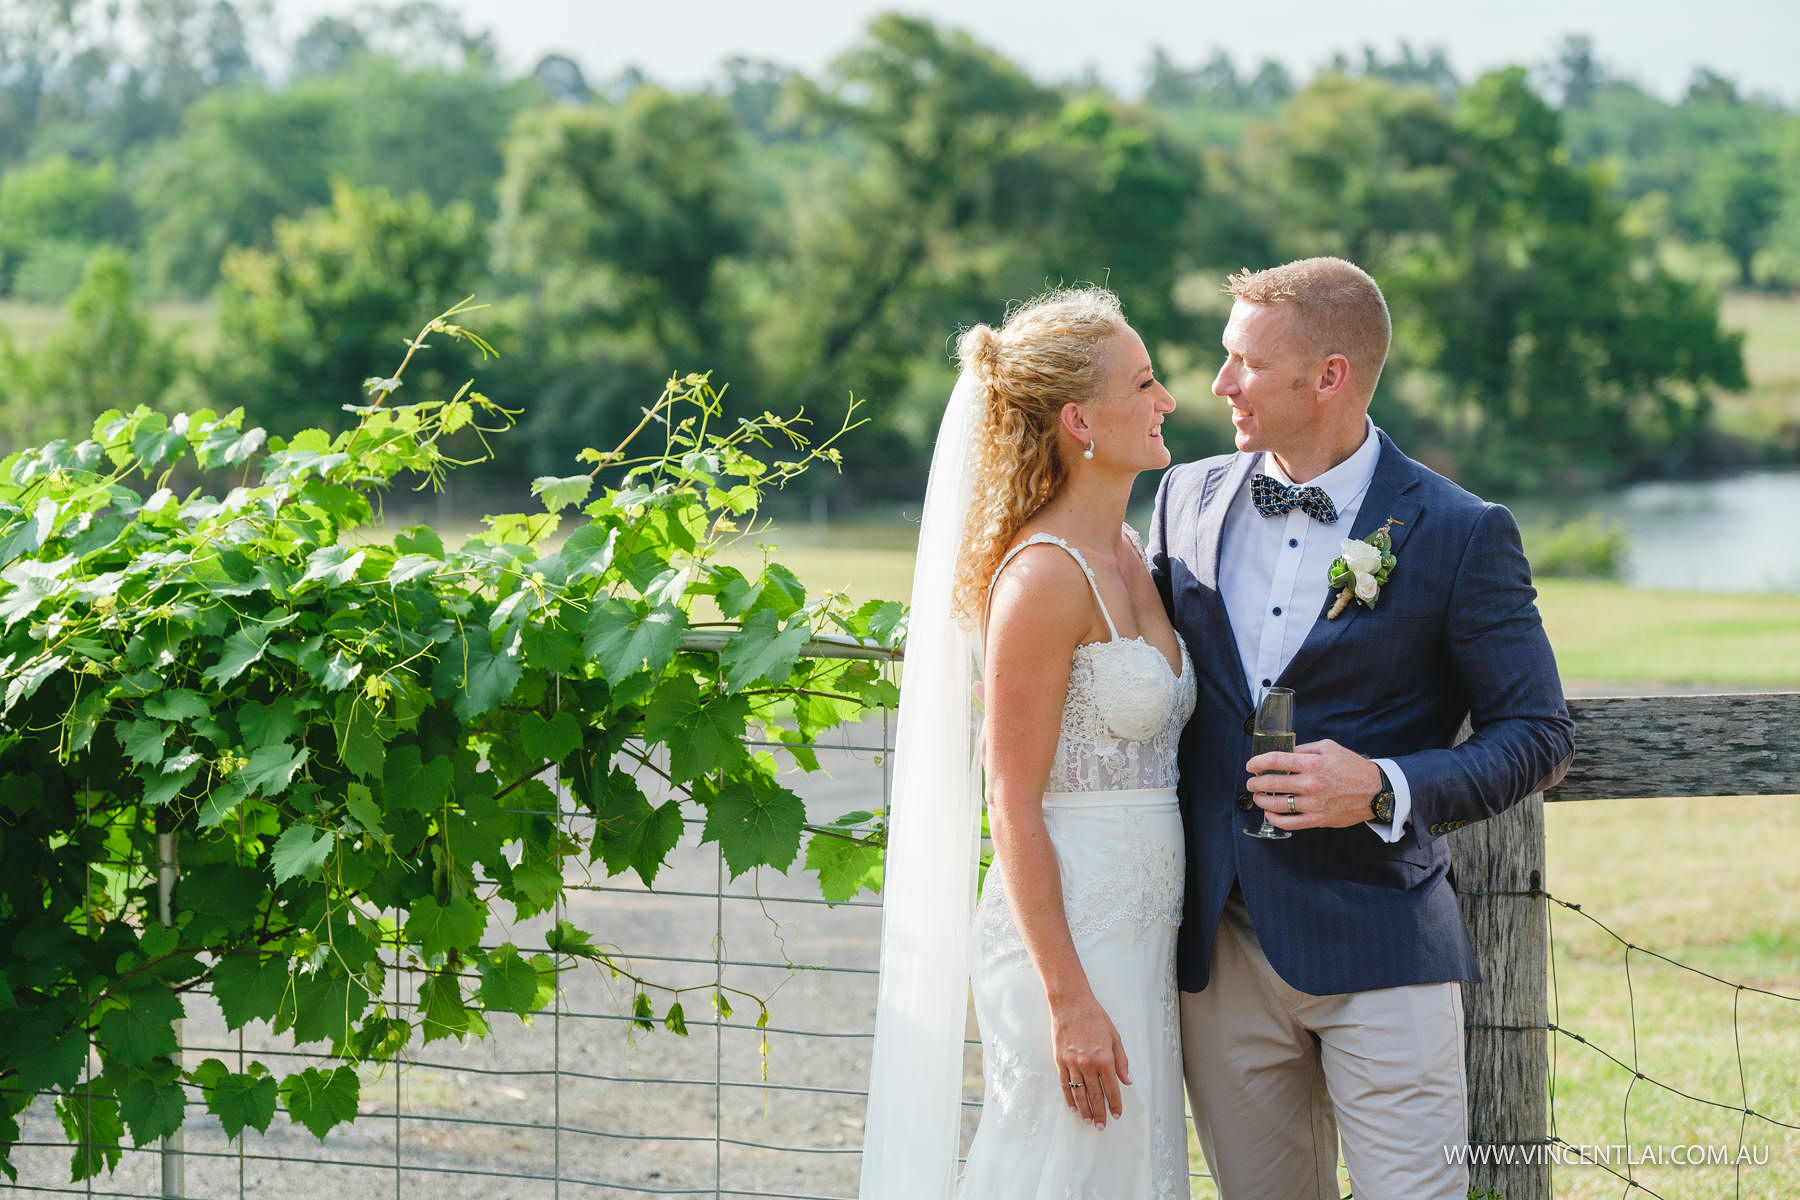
<point>1272,729</point>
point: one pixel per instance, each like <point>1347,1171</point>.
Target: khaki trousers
<point>1276,1076</point>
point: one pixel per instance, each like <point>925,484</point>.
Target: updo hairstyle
<point>1049,352</point>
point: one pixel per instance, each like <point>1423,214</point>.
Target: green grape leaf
<point>301,851</point>
<point>760,652</point>
<point>241,649</point>
<point>631,834</point>
<point>222,898</point>
<point>153,1102</point>
<point>47,1057</point>
<point>164,787</point>
<point>90,1121</point>
<point>589,551</point>
<point>241,1101</point>
<point>441,1009</point>
<point>420,539</point>
<point>361,803</point>
<point>845,867</point>
<point>509,983</point>
<point>755,821</point>
<point>144,740</point>
<point>409,567</point>
<point>332,564</point>
<point>340,671</point>
<point>250,987</point>
<point>271,768</point>
<point>319,1100</point>
<point>436,929</point>
<point>142,1030</point>
<point>326,1006</point>
<point>360,746</point>
<point>177,704</point>
<point>703,735</point>
<point>478,676</point>
<point>559,493</point>
<point>621,642</point>
<point>263,725</point>
<point>409,783</point>
<point>572,941</point>
<point>552,740</point>
<point>675,1021</point>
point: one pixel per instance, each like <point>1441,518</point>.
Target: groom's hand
<point>1331,786</point>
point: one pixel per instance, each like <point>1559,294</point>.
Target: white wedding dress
<point>1111,814</point>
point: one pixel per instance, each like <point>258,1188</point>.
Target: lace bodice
<point>1124,711</point>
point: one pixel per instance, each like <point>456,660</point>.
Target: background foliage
<point>1550,239</point>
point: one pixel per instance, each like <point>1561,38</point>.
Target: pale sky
<point>681,42</point>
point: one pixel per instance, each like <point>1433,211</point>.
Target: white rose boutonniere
<point>1361,569</point>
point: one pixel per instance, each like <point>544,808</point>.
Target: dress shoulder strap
<point>1131,535</point>
<point>1050,539</point>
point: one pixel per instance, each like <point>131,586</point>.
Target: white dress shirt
<point>1274,579</point>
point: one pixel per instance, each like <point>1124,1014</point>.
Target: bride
<point>1024,552</point>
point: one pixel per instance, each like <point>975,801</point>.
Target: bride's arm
<point>1041,610</point>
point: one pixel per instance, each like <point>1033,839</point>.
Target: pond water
<point>1736,534</point>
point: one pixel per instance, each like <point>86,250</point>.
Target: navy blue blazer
<point>1455,633</point>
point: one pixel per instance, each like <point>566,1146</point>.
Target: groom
<point>1320,975</point>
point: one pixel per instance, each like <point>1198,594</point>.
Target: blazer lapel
<point>1222,484</point>
<point>1395,476</point>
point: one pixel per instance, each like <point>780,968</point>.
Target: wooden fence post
<point>1506,1046</point>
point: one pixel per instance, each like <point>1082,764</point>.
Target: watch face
<point>1383,804</point>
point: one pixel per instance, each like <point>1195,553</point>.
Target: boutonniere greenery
<point>1361,569</point>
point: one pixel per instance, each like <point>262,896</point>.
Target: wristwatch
<point>1383,802</point>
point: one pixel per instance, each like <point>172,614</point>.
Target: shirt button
<point>1278,610</point>
<point>1292,542</point>
<point>1268,683</point>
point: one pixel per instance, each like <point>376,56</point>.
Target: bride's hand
<point>1090,1056</point>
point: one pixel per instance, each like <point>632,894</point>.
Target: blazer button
<point>1245,802</point>
<point>1250,723</point>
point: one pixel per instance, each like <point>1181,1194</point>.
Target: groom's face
<point>1267,380</point>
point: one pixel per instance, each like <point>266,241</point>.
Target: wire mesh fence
<point>763,1096</point>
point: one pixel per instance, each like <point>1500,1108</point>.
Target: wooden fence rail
<point>1625,748</point>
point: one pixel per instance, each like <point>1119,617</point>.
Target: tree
<point>614,224</point>
<point>246,157</point>
<point>54,207</point>
<point>104,356</point>
<point>304,323</point>
<point>1736,202</point>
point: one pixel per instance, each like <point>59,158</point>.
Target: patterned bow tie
<point>1272,498</point>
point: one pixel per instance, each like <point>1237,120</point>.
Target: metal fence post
<point>173,1161</point>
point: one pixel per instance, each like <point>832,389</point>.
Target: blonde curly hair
<point>1049,352</point>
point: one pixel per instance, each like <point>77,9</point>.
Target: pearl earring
<point>1089,452</point>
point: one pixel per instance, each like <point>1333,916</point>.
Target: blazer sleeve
<point>1522,736</point>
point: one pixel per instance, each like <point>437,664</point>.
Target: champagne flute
<point>1273,730</point>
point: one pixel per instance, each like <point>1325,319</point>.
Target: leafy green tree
<point>1542,317</point>
<point>105,354</point>
<point>56,202</point>
<point>614,224</point>
<point>1736,202</point>
<point>246,157</point>
<point>303,324</point>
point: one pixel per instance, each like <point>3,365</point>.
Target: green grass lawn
<point>1769,411</point>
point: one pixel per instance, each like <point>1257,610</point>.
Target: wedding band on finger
<point>1074,1083</point>
<point>1291,808</point>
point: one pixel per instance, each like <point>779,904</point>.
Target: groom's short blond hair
<point>1338,309</point>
